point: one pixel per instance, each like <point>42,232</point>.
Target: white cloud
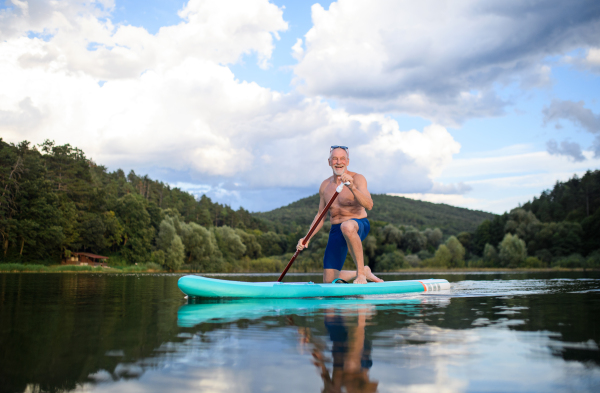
<point>47,17</point>
<point>220,32</point>
<point>593,58</point>
<point>169,101</point>
<point>298,50</point>
<point>438,60</point>
<point>590,61</point>
<point>494,166</point>
<point>500,180</point>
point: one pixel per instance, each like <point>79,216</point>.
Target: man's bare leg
<point>350,232</point>
<point>348,275</point>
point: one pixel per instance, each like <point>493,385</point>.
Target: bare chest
<point>345,199</point>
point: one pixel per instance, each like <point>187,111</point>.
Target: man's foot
<point>370,276</point>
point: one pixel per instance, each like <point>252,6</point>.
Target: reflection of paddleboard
<point>198,286</point>
<point>232,310</point>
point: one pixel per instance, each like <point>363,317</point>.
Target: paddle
<point>312,228</point>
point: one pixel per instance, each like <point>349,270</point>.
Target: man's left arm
<point>358,187</point>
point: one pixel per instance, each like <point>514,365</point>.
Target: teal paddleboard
<point>204,287</point>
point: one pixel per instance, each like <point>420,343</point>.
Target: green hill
<point>396,210</point>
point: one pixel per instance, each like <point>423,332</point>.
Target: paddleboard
<point>204,287</point>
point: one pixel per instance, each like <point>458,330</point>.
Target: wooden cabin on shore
<point>85,259</point>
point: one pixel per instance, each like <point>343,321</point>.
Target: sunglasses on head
<point>338,147</point>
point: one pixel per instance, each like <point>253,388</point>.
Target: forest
<point>55,201</point>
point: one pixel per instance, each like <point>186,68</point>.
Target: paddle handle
<point>312,229</point>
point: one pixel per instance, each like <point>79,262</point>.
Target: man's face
<point>338,161</point>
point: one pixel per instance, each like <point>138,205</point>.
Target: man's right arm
<point>322,205</point>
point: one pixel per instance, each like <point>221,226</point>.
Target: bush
<point>413,260</point>
<point>392,261</point>
<point>116,260</point>
<point>593,260</point>
<point>544,255</point>
<point>442,258</point>
<point>533,262</point>
<point>266,265</point>
<point>425,254</point>
<point>154,266</point>
<point>19,267</point>
<point>479,263</point>
<point>571,262</point>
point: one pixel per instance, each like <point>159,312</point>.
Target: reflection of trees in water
<point>58,329</point>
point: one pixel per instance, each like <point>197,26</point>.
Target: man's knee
<point>349,227</point>
<point>330,274</point>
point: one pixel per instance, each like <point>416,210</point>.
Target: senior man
<point>349,223</point>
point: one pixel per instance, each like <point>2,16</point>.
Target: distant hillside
<point>396,210</point>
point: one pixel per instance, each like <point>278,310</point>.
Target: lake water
<point>527,332</point>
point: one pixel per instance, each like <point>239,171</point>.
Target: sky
<point>478,104</point>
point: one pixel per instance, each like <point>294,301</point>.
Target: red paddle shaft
<point>312,229</point>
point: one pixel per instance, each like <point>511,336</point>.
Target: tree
<point>465,239</point>
<point>31,222</point>
<point>442,258</point>
<point>457,251</point>
<point>113,234</point>
<point>253,247</point>
<point>229,242</point>
<point>566,238</point>
<point>10,178</point>
<point>392,235</point>
<point>591,232</point>
<point>434,237</point>
<point>170,243</point>
<point>91,231</point>
<point>512,251</point>
<point>413,241</point>
<point>490,254</point>
<point>370,247</point>
<point>523,224</point>
<point>174,254</point>
<point>271,243</point>
<point>200,244</point>
<point>481,237</point>
<point>137,229</point>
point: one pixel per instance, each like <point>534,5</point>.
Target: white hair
<point>347,152</point>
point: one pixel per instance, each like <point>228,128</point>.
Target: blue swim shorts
<point>337,249</point>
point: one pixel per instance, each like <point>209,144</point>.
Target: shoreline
<point>135,270</point>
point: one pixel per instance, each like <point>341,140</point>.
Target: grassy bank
<point>30,268</point>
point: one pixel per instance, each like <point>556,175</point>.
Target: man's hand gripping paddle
<point>313,227</point>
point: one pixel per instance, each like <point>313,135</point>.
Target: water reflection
<point>342,355</point>
<point>350,351</point>
<point>124,334</point>
<point>198,311</point>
